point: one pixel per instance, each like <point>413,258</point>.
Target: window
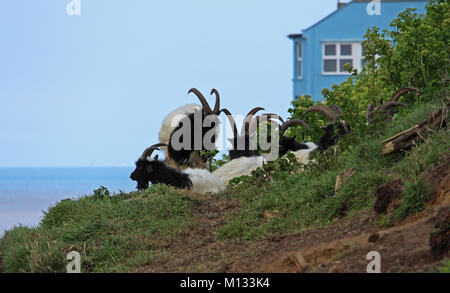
<point>336,55</point>
<point>299,59</point>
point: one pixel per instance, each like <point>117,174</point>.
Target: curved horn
<point>249,116</point>
<point>292,122</point>
<point>396,96</point>
<point>202,99</point>
<point>391,105</point>
<point>344,126</point>
<point>148,151</point>
<point>335,108</point>
<point>232,122</point>
<point>272,115</point>
<point>369,110</point>
<point>256,121</point>
<point>217,105</point>
<point>322,109</point>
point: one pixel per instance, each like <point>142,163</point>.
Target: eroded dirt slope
<point>340,247</point>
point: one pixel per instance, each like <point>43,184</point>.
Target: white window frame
<point>356,57</point>
<point>298,60</point>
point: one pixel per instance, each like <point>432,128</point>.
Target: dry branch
<point>407,138</point>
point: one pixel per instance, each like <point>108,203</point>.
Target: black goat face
<point>342,130</point>
<point>329,129</point>
<point>327,139</point>
<point>290,144</point>
<point>142,173</point>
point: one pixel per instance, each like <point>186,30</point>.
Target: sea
<point>25,193</point>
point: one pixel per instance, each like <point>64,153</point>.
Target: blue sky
<point>92,90</point>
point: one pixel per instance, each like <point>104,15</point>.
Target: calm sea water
<point>26,192</point>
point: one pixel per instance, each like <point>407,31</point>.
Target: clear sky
<point>92,90</point>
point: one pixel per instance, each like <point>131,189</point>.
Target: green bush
<point>414,53</point>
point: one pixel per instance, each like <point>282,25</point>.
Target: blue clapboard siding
<point>347,24</point>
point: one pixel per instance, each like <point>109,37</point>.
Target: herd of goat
<point>186,168</point>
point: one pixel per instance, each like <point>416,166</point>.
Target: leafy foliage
<point>120,232</point>
<point>414,53</point>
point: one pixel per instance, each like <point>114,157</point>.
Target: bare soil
<point>413,245</point>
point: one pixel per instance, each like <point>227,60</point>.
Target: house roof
<point>344,5</point>
<point>294,36</point>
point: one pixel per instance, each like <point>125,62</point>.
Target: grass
<point>308,199</point>
<point>444,268</point>
<point>112,234</point>
<point>120,232</point>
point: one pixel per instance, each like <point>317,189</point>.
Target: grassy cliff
<point>285,218</point>
<point>129,231</point>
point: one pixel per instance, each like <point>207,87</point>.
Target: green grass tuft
<point>112,234</point>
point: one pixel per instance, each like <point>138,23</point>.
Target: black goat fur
<point>158,172</point>
<point>236,152</point>
<point>286,144</point>
<point>290,144</point>
<point>181,157</point>
<point>329,139</point>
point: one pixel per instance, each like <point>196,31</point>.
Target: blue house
<point>321,50</point>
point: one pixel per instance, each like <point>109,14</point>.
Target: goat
<point>290,143</point>
<point>333,113</point>
<point>388,108</point>
<point>184,157</point>
<point>241,142</point>
<point>172,120</point>
<point>287,144</point>
<point>244,160</point>
<point>155,171</point>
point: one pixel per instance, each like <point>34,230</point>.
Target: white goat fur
<point>204,181</point>
<point>303,155</point>
<point>244,166</point>
<point>171,122</point>
<point>238,167</point>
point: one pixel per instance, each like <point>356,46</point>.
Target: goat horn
<point>322,109</point>
<point>344,125</point>
<point>369,110</point>
<point>232,122</point>
<point>254,124</point>
<point>249,116</point>
<point>272,115</point>
<point>202,99</point>
<point>390,105</point>
<point>217,105</point>
<point>396,96</point>
<point>335,108</point>
<point>292,122</point>
<point>148,151</point>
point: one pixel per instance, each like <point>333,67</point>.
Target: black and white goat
<point>287,144</point>
<point>187,153</point>
<point>334,114</point>
<point>152,170</point>
<point>246,158</point>
<point>387,108</point>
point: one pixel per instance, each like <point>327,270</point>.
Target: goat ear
<point>149,169</point>
<point>155,158</point>
<point>294,136</point>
